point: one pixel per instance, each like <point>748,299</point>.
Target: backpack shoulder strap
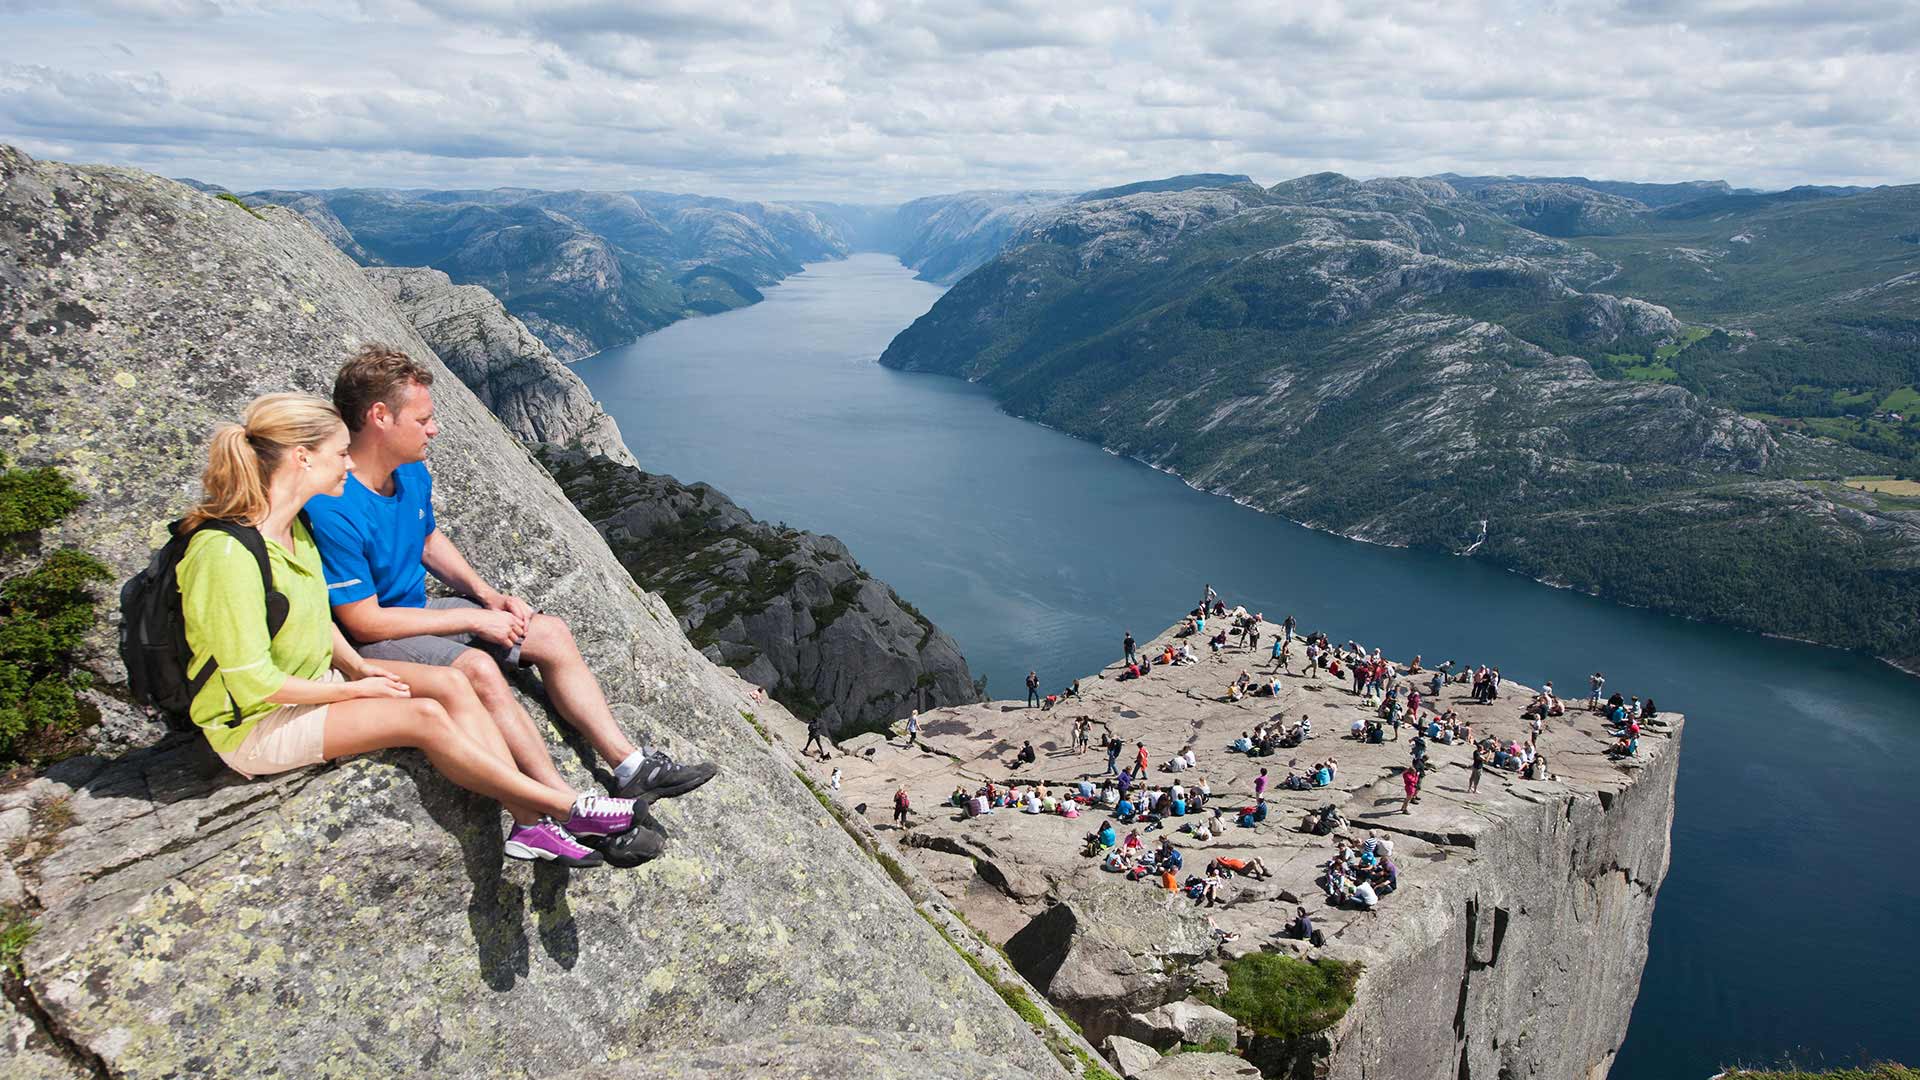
<point>250,539</point>
<point>256,545</point>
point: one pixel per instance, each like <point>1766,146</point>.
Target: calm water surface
<point>1786,927</point>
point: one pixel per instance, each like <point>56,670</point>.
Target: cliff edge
<point>1512,948</point>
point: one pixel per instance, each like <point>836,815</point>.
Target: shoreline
<point>1249,503</point>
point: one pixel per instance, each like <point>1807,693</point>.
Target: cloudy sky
<point>878,101</point>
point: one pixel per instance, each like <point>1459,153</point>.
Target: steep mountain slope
<point>358,918</point>
<point>943,237</point>
<point>498,358</point>
<point>1400,363</point>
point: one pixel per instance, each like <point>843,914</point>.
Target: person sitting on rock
<point>1026,755</point>
<point>1210,888</point>
<point>1107,836</point>
<point>1362,895</point>
<point>1125,810</point>
<point>1301,927</point>
<point>1167,858</point>
<point>302,694</point>
<point>1385,877</point>
<point>378,539</point>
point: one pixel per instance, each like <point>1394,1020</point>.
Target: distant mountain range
<point>1663,404</point>
<point>1664,393</point>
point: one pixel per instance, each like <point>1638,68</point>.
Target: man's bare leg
<point>571,687</point>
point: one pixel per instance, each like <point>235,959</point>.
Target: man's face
<point>407,430</point>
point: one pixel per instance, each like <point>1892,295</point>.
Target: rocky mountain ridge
<point>1401,363</point>
<point>359,917</point>
<point>790,610</point>
<point>509,369</point>
<point>585,270</point>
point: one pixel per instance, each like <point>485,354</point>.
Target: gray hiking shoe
<point>661,777</point>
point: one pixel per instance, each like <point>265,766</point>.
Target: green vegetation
<point>1283,997</point>
<point>16,932</point>
<point>228,196</point>
<point>1886,1071</point>
<point>46,611</point>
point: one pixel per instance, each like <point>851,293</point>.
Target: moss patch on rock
<point>1283,997</point>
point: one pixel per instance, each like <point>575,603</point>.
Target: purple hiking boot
<point>546,841</point>
<point>598,815</point>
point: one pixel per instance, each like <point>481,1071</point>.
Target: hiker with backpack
<point>268,679</point>
<point>378,539</point>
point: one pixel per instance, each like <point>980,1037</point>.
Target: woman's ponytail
<point>242,458</point>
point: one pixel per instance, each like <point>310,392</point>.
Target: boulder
<point>360,915</point>
<point>1199,1066</point>
<point>1105,953</point>
<point>1194,1023</point>
<point>1133,1059</point>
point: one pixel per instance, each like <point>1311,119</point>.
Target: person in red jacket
<point>1411,778</point>
<point>900,806</point>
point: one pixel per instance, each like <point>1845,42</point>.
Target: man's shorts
<point>440,650</point>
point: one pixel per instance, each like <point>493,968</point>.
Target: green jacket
<point>224,605</point>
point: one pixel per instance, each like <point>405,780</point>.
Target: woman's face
<point>331,464</point>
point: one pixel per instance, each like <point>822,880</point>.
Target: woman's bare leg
<point>366,724</point>
<point>449,687</point>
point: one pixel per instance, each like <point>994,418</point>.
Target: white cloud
<point>879,101</point>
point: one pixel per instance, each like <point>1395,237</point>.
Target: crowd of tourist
<point>1361,872</point>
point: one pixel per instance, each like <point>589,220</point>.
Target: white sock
<point>624,771</point>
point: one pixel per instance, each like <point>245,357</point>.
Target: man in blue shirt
<point>378,540</point>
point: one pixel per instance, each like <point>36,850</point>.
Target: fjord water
<point>1789,925</point>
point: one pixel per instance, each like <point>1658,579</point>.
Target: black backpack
<point>153,632</point>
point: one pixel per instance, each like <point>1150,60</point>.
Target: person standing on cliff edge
<point>1033,689</point>
<point>378,540</point>
<point>1128,645</point>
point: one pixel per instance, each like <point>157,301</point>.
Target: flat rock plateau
<point>1512,948</point>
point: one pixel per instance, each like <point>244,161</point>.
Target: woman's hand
<point>371,670</point>
<point>383,685</point>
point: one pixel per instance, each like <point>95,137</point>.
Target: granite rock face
<point>508,368</point>
<point>790,610</point>
<point>358,918</point>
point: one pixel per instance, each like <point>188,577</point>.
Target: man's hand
<point>511,604</point>
<point>500,627</point>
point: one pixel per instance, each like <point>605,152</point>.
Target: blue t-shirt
<point>372,544</point>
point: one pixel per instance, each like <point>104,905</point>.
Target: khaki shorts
<point>290,737</point>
